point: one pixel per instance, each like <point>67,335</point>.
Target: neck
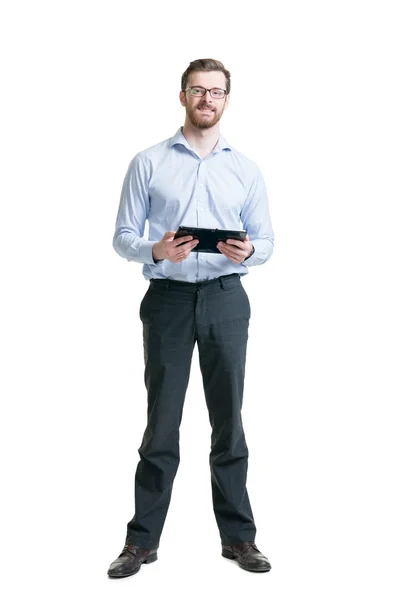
<point>201,140</point>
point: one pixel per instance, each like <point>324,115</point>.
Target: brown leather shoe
<point>248,556</point>
<point>130,560</point>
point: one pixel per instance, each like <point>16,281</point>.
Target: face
<point>204,112</point>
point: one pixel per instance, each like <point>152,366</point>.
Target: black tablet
<point>209,238</point>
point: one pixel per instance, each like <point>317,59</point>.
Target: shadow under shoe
<point>248,557</point>
<point>130,560</point>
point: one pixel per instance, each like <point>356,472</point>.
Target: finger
<point>227,247</point>
<point>232,253</point>
<point>226,251</point>
<point>186,246</point>
<point>186,249</point>
<point>231,257</point>
<point>238,243</point>
<point>182,240</point>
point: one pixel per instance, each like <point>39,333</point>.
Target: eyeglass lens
<point>200,91</point>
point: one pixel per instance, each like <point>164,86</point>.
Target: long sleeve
<point>128,240</point>
<point>257,221</point>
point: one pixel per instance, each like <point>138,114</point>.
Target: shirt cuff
<point>251,254</point>
<point>146,253</point>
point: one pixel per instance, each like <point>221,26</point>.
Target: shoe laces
<point>247,546</point>
<point>131,548</point>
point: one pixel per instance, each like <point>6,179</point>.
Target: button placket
<point>202,190</point>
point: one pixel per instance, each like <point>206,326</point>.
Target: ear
<point>182,98</point>
<point>227,98</point>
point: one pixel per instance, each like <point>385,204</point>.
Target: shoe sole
<point>152,558</point>
<point>228,554</point>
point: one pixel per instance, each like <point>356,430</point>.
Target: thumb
<point>169,235</point>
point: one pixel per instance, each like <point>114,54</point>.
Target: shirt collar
<point>179,138</point>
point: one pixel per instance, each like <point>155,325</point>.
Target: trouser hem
<point>239,539</point>
<point>145,543</point>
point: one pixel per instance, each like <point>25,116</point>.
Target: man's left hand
<point>237,251</point>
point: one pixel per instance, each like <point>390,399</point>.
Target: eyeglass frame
<point>205,91</point>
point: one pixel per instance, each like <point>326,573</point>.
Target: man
<point>196,179</point>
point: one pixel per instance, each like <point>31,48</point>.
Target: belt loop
<point>168,283</point>
<point>221,283</point>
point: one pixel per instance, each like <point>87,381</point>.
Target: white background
<point>315,102</point>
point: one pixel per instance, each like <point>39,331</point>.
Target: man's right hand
<point>173,250</point>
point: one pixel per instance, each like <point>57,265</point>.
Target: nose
<point>207,95</point>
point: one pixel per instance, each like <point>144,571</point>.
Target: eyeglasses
<point>200,91</point>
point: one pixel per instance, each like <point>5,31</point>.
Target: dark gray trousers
<point>176,315</point>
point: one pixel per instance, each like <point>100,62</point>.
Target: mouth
<point>206,110</point>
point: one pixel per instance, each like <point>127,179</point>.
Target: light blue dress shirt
<point>170,185</point>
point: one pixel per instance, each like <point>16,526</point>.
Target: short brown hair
<point>206,64</point>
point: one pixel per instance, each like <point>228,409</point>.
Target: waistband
<point>223,281</point>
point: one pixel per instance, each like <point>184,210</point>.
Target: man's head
<point>208,74</point>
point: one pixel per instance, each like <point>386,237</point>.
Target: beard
<point>200,120</point>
